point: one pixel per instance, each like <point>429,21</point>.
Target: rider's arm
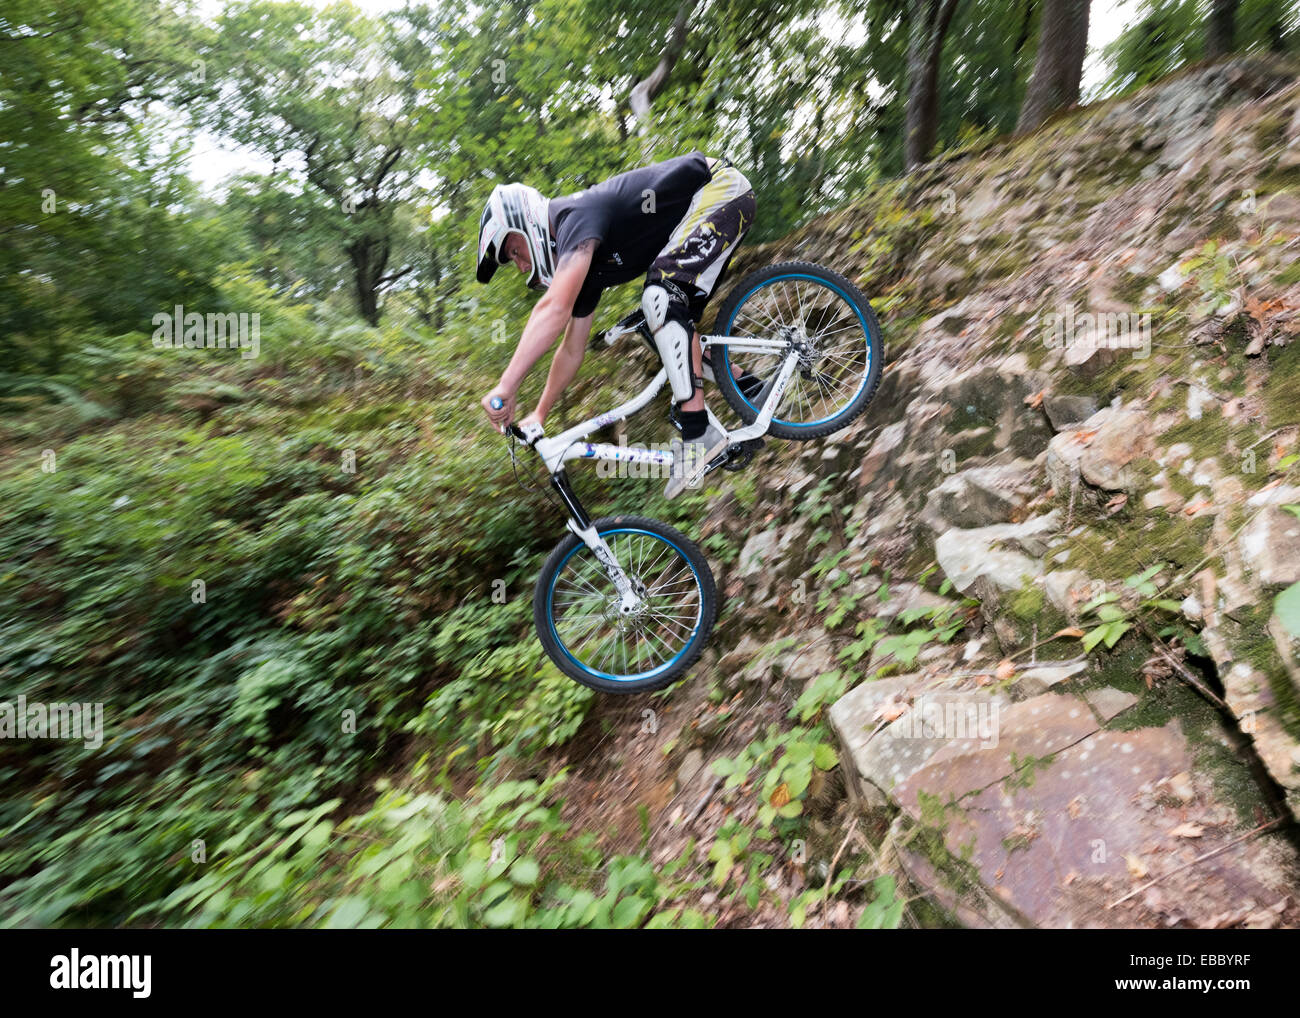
<point>564,365</point>
<point>551,314</point>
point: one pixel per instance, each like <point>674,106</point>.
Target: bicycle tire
<point>606,681</point>
<point>859,304</point>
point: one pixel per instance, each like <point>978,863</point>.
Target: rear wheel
<point>829,319</point>
<point>576,607</point>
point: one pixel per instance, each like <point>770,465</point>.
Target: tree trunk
<point>1058,67</point>
<point>369,256</point>
<point>929,25</point>
<point>1221,28</point>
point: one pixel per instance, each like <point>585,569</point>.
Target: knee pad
<point>669,319</point>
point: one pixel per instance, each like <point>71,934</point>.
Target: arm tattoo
<point>588,246</point>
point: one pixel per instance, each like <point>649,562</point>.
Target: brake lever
<point>528,435</point>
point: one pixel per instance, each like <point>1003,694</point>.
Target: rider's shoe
<point>690,459</point>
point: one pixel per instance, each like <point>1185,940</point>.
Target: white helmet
<point>516,208</point>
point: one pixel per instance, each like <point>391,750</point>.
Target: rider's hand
<point>500,418</point>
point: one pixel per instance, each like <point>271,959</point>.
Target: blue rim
<point>550,615</point>
<point>726,331</point>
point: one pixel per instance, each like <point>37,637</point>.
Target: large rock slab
<point>1032,729</point>
<point>1068,411</point>
<point>1120,438</point>
<point>879,457</point>
<point>1063,454</point>
<point>1059,820</point>
<point>1270,547</point>
<point>979,496</point>
<point>1252,695</point>
<point>1101,451</point>
<point>1004,553</point>
<point>889,728</point>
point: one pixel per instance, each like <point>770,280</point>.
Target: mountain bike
<point>625,604</point>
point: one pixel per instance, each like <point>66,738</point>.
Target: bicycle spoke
<point>586,609</point>
<point>840,345</point>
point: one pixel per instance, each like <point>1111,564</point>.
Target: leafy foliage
<point>276,574</point>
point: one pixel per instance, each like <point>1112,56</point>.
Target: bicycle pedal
<point>741,454</point>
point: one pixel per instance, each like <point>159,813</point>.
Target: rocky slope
<point>1087,714</point>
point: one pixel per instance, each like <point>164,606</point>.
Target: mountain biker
<point>678,222</point>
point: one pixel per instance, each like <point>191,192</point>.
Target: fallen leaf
<point>1036,400</point>
<point>1192,508</point>
<point>1260,310</point>
<point>780,795</point>
<point>1187,830</point>
<point>890,710</point>
<point>1136,869</point>
<point>1073,631</point>
<point>1006,669</point>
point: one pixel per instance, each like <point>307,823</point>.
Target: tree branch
<point>644,92</point>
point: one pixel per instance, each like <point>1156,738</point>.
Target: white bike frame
<point>570,445</point>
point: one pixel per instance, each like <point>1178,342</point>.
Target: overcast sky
<point>214,160</point>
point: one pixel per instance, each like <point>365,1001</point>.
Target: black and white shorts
<point>697,254</point>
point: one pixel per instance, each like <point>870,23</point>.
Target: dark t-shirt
<point>618,213</point>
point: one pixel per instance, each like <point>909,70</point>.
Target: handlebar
<point>529,437</point>
<point>496,403</point>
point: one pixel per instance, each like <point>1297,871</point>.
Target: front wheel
<point>829,320</point>
<point>576,607</point>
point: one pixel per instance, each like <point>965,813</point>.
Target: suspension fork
<point>580,524</point>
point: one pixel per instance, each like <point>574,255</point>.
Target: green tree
<point>1173,33</point>
<point>98,224</point>
<point>329,97</point>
